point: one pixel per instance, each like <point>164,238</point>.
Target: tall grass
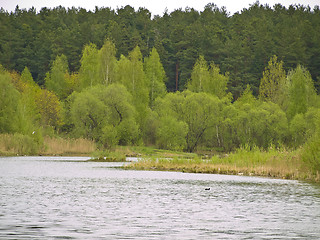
<point>277,163</point>
<point>19,144</point>
<point>62,146</point>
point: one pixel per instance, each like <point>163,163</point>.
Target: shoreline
<point>227,170</point>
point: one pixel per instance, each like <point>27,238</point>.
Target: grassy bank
<point>251,162</point>
<point>120,153</point>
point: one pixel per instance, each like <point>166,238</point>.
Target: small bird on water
<point>207,189</point>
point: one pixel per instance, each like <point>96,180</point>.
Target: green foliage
<point>155,75</point>
<point>55,80</point>
<point>107,62</point>
<point>298,130</point>
<point>208,79</point>
<point>9,104</point>
<point>50,109</point>
<point>122,95</point>
<point>199,76</point>
<point>88,114</point>
<point>302,93</point>
<point>105,114</point>
<point>26,77</point>
<point>272,84</point>
<point>311,150</point>
<point>171,133</point>
<point>311,154</point>
<point>241,44</point>
<point>88,74</point>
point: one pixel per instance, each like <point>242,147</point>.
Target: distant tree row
<point>241,44</point>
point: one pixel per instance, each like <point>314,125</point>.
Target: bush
<point>311,154</point>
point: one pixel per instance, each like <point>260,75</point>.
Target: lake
<point>69,198</point>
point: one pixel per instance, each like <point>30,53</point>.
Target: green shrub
<point>311,154</point>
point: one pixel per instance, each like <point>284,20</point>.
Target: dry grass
<point>69,146</point>
<point>18,144</point>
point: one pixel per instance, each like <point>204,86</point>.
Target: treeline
<point>125,102</point>
<point>241,44</point>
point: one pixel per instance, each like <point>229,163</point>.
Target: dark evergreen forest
<point>240,44</point>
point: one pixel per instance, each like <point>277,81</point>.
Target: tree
<point>55,80</point>
<point>199,111</point>
<point>199,76</point>
<point>301,92</point>
<point>130,73</point>
<point>298,130</point>
<point>272,83</point>
<point>208,79</point>
<point>88,74</point>
<point>50,109</point>
<point>88,114</point>
<point>218,82</point>
<point>9,104</point>
<point>107,61</point>
<point>171,133</point>
<point>155,75</point>
<point>105,114</point>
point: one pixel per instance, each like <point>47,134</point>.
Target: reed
<point>68,146</point>
<point>18,144</point>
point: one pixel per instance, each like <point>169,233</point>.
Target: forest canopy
<point>181,81</point>
<point>240,45</point>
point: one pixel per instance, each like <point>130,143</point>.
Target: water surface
<point>69,198</point>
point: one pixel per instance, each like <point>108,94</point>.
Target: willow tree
<point>155,75</point>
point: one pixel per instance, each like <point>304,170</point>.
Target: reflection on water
<point>69,198</point>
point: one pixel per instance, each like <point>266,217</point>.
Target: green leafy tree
<point>171,133</point>
<point>88,114</point>
<point>298,130</point>
<point>9,104</point>
<point>50,109</point>
<point>130,73</point>
<point>208,79</point>
<point>55,80</point>
<point>302,93</point>
<point>105,114</point>
<point>272,84</point>
<point>107,62</point>
<point>155,75</point>
<point>88,74</point>
<point>198,111</point>
<point>199,76</point>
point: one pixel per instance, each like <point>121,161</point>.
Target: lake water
<point>69,198</point>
